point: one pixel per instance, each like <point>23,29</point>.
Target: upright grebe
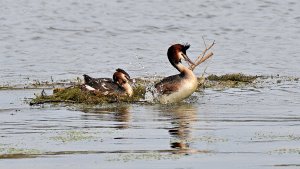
<point>177,87</point>
<point>119,85</point>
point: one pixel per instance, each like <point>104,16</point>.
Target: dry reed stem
<point>203,56</point>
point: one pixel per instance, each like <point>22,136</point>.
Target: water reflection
<point>119,114</point>
<point>182,118</point>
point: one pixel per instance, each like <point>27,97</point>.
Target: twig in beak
<point>186,58</point>
<point>203,57</point>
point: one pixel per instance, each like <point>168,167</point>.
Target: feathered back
<point>87,78</point>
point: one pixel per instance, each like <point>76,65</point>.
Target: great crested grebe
<point>177,87</point>
<point>119,85</point>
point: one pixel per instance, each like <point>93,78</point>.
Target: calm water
<point>65,39</point>
<point>251,127</point>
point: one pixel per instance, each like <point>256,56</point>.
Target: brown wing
<point>101,84</point>
<point>169,84</point>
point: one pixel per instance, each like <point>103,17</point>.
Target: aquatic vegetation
<point>126,157</point>
<point>36,84</point>
<point>6,87</point>
<point>286,151</point>
<point>211,139</point>
<point>11,152</point>
<point>74,94</point>
<point>71,136</point>
<point>205,138</point>
<point>228,81</point>
<point>237,77</point>
<point>275,137</point>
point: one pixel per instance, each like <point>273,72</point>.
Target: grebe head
<point>121,77</point>
<point>176,53</point>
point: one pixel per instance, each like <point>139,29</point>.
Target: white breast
<point>187,88</point>
<point>89,88</point>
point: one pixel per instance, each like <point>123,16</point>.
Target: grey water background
<point>65,39</point>
<point>249,127</point>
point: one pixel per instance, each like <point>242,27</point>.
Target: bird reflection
<point>118,113</point>
<point>182,118</point>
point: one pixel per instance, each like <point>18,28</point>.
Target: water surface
<point>248,127</point>
<point>65,39</point>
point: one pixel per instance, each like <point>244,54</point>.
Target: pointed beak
<point>186,58</point>
<point>129,80</point>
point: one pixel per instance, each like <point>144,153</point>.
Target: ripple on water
<point>63,40</point>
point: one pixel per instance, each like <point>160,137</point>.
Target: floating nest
<point>74,93</point>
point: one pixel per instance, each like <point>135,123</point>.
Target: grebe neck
<point>128,89</point>
<point>183,70</point>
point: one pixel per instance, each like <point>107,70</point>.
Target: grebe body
<point>118,85</point>
<point>177,87</point>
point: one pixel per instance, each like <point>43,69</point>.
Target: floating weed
<point>70,95</point>
<point>6,87</point>
<point>74,94</point>
<point>126,157</point>
<point>207,139</point>
<point>277,137</point>
<point>72,136</point>
<point>286,151</point>
<point>237,77</point>
<point>21,151</point>
<point>228,81</point>
<point>211,139</point>
<point>11,152</point>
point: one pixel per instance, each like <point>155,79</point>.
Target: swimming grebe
<point>177,87</point>
<point>119,85</point>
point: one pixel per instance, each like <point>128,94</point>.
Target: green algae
<point>206,139</point>
<point>236,77</point>
<point>73,95</point>
<point>39,84</point>
<point>149,156</point>
<point>286,151</point>
<point>275,137</point>
<point>235,80</point>
<point>11,152</point>
<point>6,87</point>
<point>210,139</point>
<point>72,136</point>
